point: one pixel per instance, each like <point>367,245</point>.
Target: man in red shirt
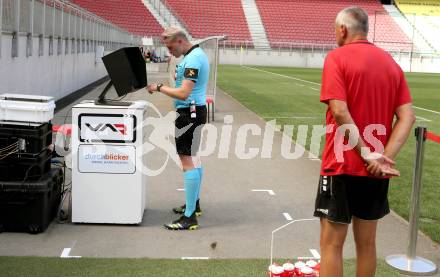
<point>364,89</point>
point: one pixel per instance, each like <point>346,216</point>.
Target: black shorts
<point>340,197</point>
<point>188,141</point>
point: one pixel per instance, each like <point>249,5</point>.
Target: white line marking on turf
<point>287,216</point>
<point>281,75</point>
<point>318,84</point>
<point>423,119</point>
<point>313,88</point>
<point>66,254</point>
<point>315,254</point>
<point>271,192</point>
<point>428,110</point>
<point>195,258</point>
<point>301,85</point>
<point>291,117</point>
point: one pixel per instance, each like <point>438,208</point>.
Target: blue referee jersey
<point>194,67</point>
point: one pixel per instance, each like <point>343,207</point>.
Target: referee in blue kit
<point>192,76</point>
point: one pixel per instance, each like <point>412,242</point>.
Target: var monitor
<point>127,71</point>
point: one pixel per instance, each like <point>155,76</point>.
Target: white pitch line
<point>318,84</point>
<point>315,254</point>
<point>287,216</point>
<point>66,254</point>
<point>428,110</point>
<point>195,258</point>
<point>301,85</point>
<point>291,117</point>
<point>271,192</point>
<point>313,88</point>
<point>423,119</point>
<point>281,75</point>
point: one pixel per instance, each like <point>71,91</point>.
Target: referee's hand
<point>380,165</point>
<point>151,88</point>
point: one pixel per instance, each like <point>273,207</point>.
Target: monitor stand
<point>102,101</point>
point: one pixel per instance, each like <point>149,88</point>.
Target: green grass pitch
<point>291,96</point>
<point>91,267</point>
<point>290,101</point>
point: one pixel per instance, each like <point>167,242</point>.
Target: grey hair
<point>174,33</point>
<point>355,19</point>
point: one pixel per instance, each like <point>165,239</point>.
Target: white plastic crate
<point>26,108</point>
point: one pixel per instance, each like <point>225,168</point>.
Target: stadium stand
<point>426,18</point>
<point>423,7</point>
<point>302,23</point>
<point>207,18</point>
<point>130,15</point>
<point>312,22</point>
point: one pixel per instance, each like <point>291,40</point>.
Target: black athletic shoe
<point>182,209</point>
<point>184,223</point>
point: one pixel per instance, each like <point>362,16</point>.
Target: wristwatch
<point>159,86</point>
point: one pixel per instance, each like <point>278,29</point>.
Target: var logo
<point>101,127</point>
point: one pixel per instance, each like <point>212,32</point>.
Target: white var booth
<point>108,185</point>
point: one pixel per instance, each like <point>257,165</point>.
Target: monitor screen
<point>127,70</point>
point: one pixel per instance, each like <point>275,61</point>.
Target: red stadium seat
<point>131,15</point>
<point>312,21</point>
<point>208,17</point>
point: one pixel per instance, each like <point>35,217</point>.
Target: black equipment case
<point>31,159</point>
<point>32,205</point>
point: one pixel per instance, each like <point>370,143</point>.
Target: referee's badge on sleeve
<point>191,73</point>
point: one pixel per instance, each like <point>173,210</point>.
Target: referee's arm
<point>181,93</point>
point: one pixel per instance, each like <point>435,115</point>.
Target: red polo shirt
<point>373,85</point>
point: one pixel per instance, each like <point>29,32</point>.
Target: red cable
<point>433,137</point>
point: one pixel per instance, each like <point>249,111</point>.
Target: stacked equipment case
<point>30,191</point>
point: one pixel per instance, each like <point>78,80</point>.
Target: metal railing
<point>384,32</point>
<point>164,11</point>
<point>394,48</point>
<point>169,16</point>
<point>61,22</point>
<point>280,46</point>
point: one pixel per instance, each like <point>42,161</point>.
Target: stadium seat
<point>422,7</point>
<point>208,17</point>
<point>131,15</point>
<point>426,15</point>
<point>312,22</point>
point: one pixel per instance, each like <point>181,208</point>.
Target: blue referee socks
<point>192,187</point>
